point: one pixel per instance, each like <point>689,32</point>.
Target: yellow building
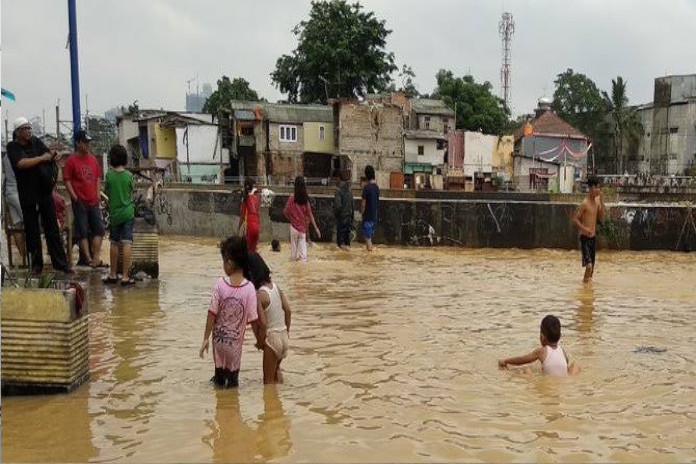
<point>318,137</point>
<point>164,141</point>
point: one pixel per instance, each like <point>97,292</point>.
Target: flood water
<point>393,358</point>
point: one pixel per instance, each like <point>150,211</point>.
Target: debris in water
<point>649,350</point>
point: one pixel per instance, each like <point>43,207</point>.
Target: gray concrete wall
<point>483,222</point>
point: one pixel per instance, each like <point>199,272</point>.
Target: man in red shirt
<point>82,176</point>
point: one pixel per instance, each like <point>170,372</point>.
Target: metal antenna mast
<point>506,28</point>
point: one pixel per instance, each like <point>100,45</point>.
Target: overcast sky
<point>146,50</point>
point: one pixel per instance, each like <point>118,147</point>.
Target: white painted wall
<point>430,152</point>
<point>127,129</point>
<point>202,146</point>
<point>478,152</point>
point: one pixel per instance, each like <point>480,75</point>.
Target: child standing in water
<point>299,212</point>
<point>233,306</point>
<point>119,187</point>
<point>590,212</point>
<point>250,215</point>
<point>274,319</point>
<point>553,358</point>
<point>369,206</point>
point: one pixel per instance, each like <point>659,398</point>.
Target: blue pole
<point>74,66</point>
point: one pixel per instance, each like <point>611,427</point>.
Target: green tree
<point>625,121</point>
<point>340,53</point>
<point>236,89</point>
<point>103,133</point>
<point>578,101</point>
<point>477,108</point>
<point>406,76</point>
<point>131,110</point>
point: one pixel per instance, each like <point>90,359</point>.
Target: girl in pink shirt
<point>233,306</point>
<point>299,212</point>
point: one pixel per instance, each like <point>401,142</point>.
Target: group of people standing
<point>298,211</point>
<point>31,174</point>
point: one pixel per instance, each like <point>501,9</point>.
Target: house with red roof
<point>550,154</point>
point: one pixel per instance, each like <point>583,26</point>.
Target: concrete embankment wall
<point>483,222</point>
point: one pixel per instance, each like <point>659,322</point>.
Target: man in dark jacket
<point>34,166</point>
<point>343,212</point>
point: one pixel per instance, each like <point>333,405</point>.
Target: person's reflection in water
<point>234,440</point>
<point>274,428</point>
<point>584,319</point>
<point>231,438</point>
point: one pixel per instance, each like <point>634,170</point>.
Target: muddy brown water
<point>393,358</point>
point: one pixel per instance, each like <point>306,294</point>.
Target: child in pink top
<point>233,306</point>
<point>299,212</point>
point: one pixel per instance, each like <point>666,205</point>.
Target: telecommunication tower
<point>506,28</point>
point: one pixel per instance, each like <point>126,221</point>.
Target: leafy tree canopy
<point>477,108</point>
<point>340,53</point>
<point>227,90</point>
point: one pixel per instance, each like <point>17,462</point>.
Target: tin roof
<point>431,106</point>
<point>287,113</point>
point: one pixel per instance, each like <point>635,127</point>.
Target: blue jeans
<point>122,232</point>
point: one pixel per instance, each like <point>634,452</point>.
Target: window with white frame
<point>322,133</point>
<point>288,133</point>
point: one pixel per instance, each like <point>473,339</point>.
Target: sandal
<point>110,280</point>
<point>128,283</point>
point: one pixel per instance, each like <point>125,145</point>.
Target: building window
<point>673,130</point>
<point>322,133</point>
<point>288,133</point>
<point>446,130</point>
<point>427,122</point>
<point>440,144</point>
<point>421,150</point>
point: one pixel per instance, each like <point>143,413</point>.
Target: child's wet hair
<point>257,271</point>
<point>235,249</point>
<point>592,181</point>
<point>551,328</point>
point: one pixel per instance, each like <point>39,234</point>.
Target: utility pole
<point>58,120</point>
<point>74,65</point>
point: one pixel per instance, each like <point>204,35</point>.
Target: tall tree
<point>236,89</point>
<point>340,53</point>
<point>578,101</point>
<point>477,108</point>
<point>625,121</point>
<point>103,132</point>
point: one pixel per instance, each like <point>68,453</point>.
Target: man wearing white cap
<point>35,167</point>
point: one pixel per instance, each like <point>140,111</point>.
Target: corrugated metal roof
<point>287,113</point>
<point>424,134</point>
<point>431,106</point>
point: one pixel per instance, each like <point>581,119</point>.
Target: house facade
<point>668,144</point>
<point>550,154</point>
<point>369,133</point>
<point>277,142</point>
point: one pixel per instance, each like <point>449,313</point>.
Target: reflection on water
<point>393,358</point>
<point>232,438</point>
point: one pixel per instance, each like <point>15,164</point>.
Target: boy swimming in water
<point>553,358</point>
<point>588,215</point>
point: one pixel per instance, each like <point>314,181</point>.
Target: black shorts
<point>587,247</point>
<point>88,220</point>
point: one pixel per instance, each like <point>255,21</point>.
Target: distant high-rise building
<point>207,90</point>
<point>195,101</point>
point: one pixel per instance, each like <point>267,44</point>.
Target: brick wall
<point>371,134</point>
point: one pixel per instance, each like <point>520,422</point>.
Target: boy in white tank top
<point>274,319</point>
<point>553,358</point>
